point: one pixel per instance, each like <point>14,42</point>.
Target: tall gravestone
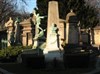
<point>52,42</point>
<point>72,31</point>
<point>53,18</point>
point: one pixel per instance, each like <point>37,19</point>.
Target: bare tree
<point>8,8</point>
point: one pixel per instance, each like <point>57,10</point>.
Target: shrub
<point>2,54</point>
<point>12,51</point>
<point>27,47</point>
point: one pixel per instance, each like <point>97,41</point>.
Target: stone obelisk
<point>53,18</point>
<point>52,42</point>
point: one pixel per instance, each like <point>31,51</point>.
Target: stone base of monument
<point>54,59</point>
<point>76,60</point>
<point>32,59</point>
<point>54,54</point>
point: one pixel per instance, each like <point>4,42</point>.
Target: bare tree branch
<point>8,8</point>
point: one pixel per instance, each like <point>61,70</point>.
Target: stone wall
<point>97,36</point>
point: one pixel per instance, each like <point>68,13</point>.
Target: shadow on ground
<point>20,69</point>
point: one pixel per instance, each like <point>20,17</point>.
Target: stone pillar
<point>24,39</point>
<point>72,32</point>
<point>10,28</point>
<point>27,36</point>
<point>61,32</point>
<point>53,18</point>
<point>30,36</point>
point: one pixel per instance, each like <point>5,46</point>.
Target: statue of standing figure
<point>37,21</point>
<point>11,40</point>
<point>39,32</point>
<point>17,31</point>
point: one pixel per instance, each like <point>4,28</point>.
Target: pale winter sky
<point>31,4</point>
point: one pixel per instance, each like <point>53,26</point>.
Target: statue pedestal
<point>52,46</point>
<point>51,55</point>
<point>35,44</point>
<point>52,49</point>
<point>52,52</point>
